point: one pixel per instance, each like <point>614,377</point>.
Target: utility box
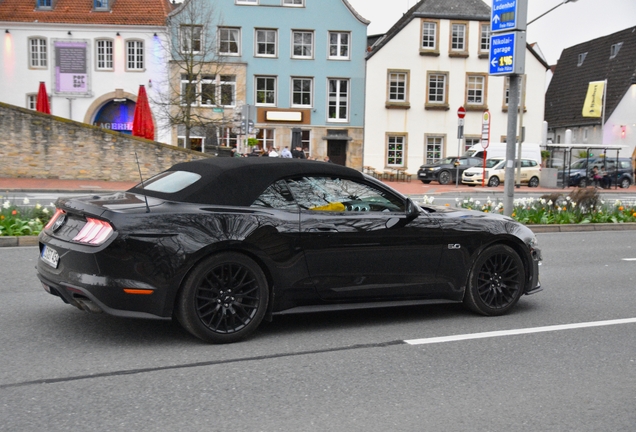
<point>549,177</point>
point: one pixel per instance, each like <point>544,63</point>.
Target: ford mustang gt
<point>222,244</point>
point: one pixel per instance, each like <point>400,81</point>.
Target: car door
<point>360,244</point>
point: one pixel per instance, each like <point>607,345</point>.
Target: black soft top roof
<point>239,181</point>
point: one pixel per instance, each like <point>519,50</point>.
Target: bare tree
<point>201,88</point>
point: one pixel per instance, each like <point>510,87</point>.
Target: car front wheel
<point>224,298</point>
<point>495,282</point>
<point>533,182</point>
<point>494,181</point>
<point>444,178</point>
<point>625,183</point>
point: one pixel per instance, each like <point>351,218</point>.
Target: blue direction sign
<point>507,15</point>
<point>507,53</point>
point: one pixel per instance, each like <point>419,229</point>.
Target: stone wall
<point>36,145</point>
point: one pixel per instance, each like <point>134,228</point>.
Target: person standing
<point>285,153</point>
<point>298,153</point>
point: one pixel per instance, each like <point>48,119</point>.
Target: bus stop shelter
<point>591,150</point>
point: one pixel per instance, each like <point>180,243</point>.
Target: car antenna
<point>142,183</point>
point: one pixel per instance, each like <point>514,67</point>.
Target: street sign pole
<point>511,139</point>
<point>461,113</point>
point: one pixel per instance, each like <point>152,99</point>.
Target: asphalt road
<point>66,370</point>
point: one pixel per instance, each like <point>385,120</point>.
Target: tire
<point>444,178</point>
<point>533,182</point>
<point>493,181</point>
<point>224,299</point>
<point>583,182</point>
<point>495,282</point>
<point>625,183</point>
<point>425,181</point>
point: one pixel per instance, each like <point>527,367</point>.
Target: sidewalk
<point>415,187</point>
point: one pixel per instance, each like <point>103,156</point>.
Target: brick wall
<point>36,145</point>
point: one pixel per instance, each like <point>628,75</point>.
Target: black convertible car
<point>223,243</point>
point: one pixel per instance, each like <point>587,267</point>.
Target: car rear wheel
<point>493,181</point>
<point>625,183</point>
<point>495,282</point>
<point>444,178</point>
<point>224,298</point>
<point>533,182</point>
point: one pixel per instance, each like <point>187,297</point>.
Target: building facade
<point>433,61</point>
<point>300,74</point>
<point>92,56</point>
<point>611,58</point>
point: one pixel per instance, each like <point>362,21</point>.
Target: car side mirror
<point>412,210</point>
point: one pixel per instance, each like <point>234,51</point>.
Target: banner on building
<point>593,106</point>
<point>71,68</point>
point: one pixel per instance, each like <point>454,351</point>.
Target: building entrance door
<point>337,151</point>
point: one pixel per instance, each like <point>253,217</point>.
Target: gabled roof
<point>566,94</point>
<point>123,12</point>
<point>473,10</point>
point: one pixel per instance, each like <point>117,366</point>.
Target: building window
<point>470,141</point>
<point>134,55</point>
<point>429,37</point>
<point>395,150</point>
<point>459,39</point>
<point>614,49</point>
<point>339,45</point>
<point>305,141</point>
<point>266,43</point>
<point>302,89</point>
<point>44,4</point>
<point>265,138</point>
<point>209,91</point>
<point>434,147</point>
<point>191,38</point>
<point>248,2</point>
<point>397,91</point>
<point>227,138</point>
<point>229,41</point>
<point>581,59</point>
<point>37,53</point>
<point>303,44</point>
<point>437,91</point>
<point>32,100</point>
<point>338,110</point>
<point>101,4</point>
<point>507,92</point>
<point>475,91</point>
<point>188,90</point>
<point>265,90</point>
<point>296,3</point>
<point>484,40</point>
<point>104,49</point>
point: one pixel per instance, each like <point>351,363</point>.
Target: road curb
<point>9,241</point>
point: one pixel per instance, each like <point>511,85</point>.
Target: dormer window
<point>44,4</point>
<point>102,5</point>
<point>615,49</point>
<point>581,58</point>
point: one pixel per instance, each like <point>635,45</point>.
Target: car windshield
<point>492,162</point>
<point>447,161</point>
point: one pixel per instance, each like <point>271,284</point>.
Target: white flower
<point>477,203</point>
<point>25,201</point>
<point>51,205</point>
<point>456,199</point>
<point>567,198</point>
<point>6,204</point>
<point>45,211</point>
<point>573,204</point>
<point>38,206</point>
<point>470,199</point>
<point>550,203</point>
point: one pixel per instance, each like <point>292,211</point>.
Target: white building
<point>431,62</point>
<point>92,55</point>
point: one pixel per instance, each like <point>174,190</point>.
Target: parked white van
<point>498,150</point>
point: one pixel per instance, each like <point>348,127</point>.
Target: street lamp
<point>545,13</point>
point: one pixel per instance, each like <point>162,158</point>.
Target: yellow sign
<point>593,106</point>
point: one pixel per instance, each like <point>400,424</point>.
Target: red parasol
<point>142,121</point>
<point>42,103</point>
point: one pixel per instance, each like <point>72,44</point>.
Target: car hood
<point>437,166</point>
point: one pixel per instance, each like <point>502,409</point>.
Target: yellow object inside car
<point>334,206</point>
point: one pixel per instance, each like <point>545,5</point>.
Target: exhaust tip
<point>87,305</point>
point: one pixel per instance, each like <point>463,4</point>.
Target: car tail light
<point>56,215</point>
<point>95,232</point>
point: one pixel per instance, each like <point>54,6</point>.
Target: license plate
<point>50,256</point>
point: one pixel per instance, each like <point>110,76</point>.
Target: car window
<point>342,195</point>
<point>625,164</point>
<point>492,162</point>
<point>474,162</point>
<point>579,164</point>
<point>277,196</point>
<point>169,181</point>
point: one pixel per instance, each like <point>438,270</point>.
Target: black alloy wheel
<point>496,281</point>
<point>224,299</point>
<point>444,177</point>
<point>533,182</point>
<point>493,181</point>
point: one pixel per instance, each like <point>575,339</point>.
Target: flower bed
<point>23,219</point>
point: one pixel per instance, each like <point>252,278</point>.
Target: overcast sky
<point>568,25</point>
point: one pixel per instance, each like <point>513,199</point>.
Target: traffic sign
<point>507,54</point>
<point>507,15</point>
<point>461,112</point>
<point>485,130</point>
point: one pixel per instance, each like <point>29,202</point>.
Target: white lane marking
<point>518,331</point>
<point>629,259</point>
